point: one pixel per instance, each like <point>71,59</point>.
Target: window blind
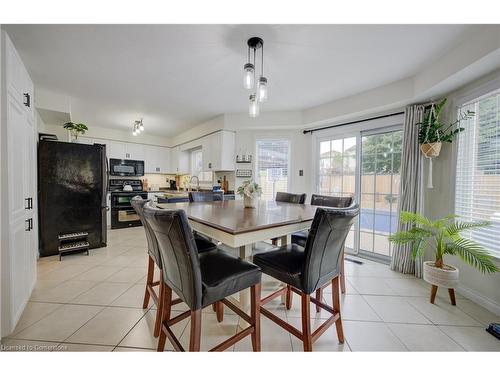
<point>272,166</point>
<point>477,189</point>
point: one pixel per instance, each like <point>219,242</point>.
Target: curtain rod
<point>352,122</point>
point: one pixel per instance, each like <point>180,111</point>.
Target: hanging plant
<point>76,129</point>
<point>433,132</point>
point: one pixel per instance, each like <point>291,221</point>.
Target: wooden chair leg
<point>289,297</point>
<point>149,281</point>
<point>434,289</point>
<point>166,296</point>
<point>336,307</point>
<point>319,297</point>
<point>159,309</point>
<point>451,292</point>
<point>306,322</point>
<point>342,274</point>
<point>195,334</point>
<point>219,310</point>
<point>255,315</point>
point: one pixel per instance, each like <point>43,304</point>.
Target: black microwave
<point>125,167</point>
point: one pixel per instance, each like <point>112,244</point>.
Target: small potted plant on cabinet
<point>250,191</point>
<point>443,237</point>
<point>76,129</point>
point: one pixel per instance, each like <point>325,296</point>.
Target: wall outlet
<point>301,172</point>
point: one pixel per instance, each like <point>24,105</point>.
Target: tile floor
<point>94,303</point>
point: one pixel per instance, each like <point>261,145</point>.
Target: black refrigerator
<point>72,187</point>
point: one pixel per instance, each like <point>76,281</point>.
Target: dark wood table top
<point>232,217</point>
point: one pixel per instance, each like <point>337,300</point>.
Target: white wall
<point>439,201</point>
<point>106,133</point>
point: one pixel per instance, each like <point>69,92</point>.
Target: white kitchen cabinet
<point>179,161</point>
<point>156,159</point>
<point>126,150</point>
<point>218,151</point>
<point>19,242</point>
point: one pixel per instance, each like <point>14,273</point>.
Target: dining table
<point>240,227</point>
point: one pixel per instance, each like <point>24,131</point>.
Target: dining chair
<point>205,196</point>
<point>154,258</point>
<point>300,238</point>
<point>200,279</point>
<point>289,198</point>
<point>305,269</point>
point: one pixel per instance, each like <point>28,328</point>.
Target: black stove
<point>123,214</point>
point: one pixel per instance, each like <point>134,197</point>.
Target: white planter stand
<point>446,277</point>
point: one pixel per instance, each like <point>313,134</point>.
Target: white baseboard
<point>481,300</point>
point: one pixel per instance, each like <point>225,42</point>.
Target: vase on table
<point>249,202</point>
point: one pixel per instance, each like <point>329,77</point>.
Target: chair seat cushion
<point>203,244</point>
<point>300,238</point>
<point>285,264</point>
<point>223,274</point>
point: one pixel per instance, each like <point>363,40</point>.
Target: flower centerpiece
<point>250,191</point>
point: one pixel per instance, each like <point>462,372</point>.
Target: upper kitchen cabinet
<point>218,151</point>
<point>157,159</point>
<point>125,150</point>
<point>179,161</point>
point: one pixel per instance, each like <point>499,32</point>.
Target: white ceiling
<point>176,76</point>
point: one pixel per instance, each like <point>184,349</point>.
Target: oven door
<point>122,167</point>
<point>122,200</point>
<point>124,218</point>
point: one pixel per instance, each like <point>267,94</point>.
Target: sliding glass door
<point>380,178</point>
<point>337,172</point>
<point>365,165</point>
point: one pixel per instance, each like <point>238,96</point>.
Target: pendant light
<point>250,81</point>
<point>253,109</point>
<point>137,127</point>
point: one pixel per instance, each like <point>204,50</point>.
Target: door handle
<point>27,101</point>
<point>30,225</point>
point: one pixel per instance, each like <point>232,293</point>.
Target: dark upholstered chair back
<point>290,198</point>
<point>324,245</point>
<point>328,201</point>
<point>181,265</point>
<point>138,205</point>
<point>205,196</point>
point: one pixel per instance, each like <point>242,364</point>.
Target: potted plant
<point>443,237</point>
<point>432,131</point>
<point>76,129</point>
<point>250,191</point>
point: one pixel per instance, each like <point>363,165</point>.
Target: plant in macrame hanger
<point>433,132</point>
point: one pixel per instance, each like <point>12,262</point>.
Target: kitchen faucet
<point>197,182</point>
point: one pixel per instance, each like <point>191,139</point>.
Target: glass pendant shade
<point>262,89</point>
<point>253,109</point>
<point>248,79</point>
<point>134,132</point>
<point>141,127</point>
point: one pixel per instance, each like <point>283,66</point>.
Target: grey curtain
<point>411,189</point>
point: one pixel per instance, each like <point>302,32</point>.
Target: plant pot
<point>446,277</point>
<point>249,202</point>
<point>431,150</point>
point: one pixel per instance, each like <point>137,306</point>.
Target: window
<point>196,162</point>
<point>477,185</point>
<point>272,166</point>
